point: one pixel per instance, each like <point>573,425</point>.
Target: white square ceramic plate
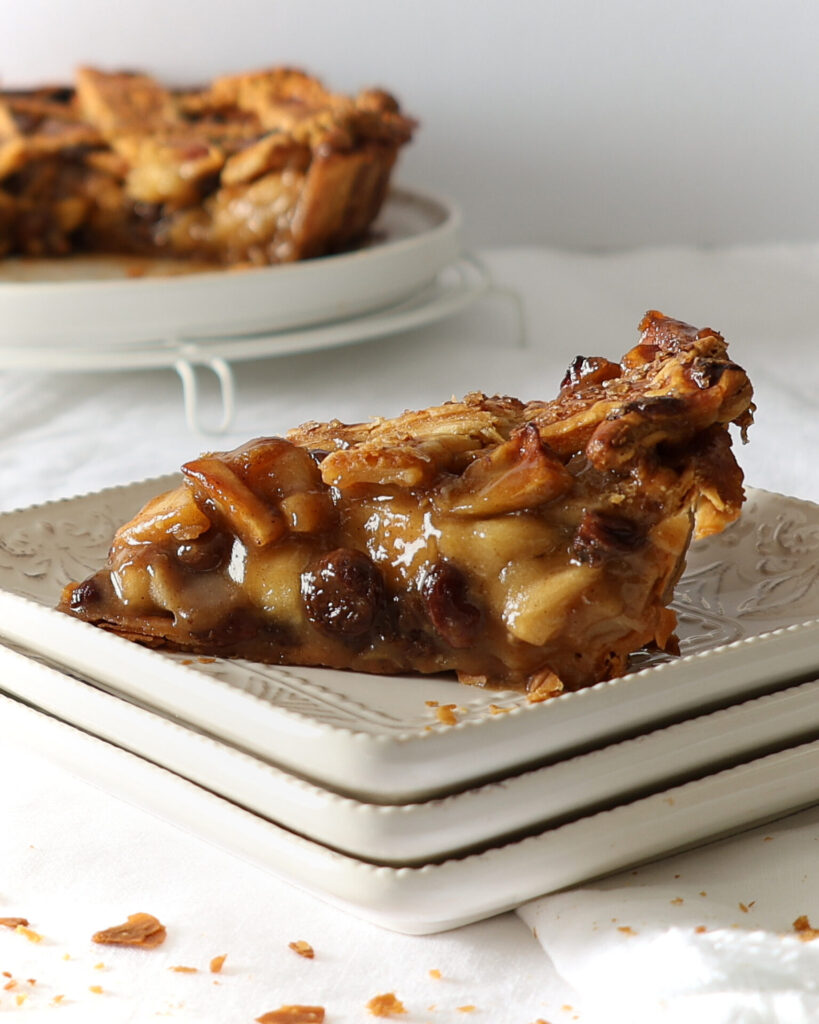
<point>749,610</point>
<point>411,834</point>
<point>438,896</point>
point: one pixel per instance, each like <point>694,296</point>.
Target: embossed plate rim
<point>419,762</point>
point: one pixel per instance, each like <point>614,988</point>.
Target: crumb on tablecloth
<point>302,948</point>
<point>293,1015</point>
<point>139,930</point>
<point>14,922</point>
<point>386,1005</point>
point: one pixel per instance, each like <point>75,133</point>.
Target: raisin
<point>84,594</point>
<point>706,373</point>
<point>602,533</point>
<point>343,592</point>
<point>654,407</point>
<point>205,553</point>
<point>446,596</point>
<point>590,370</point>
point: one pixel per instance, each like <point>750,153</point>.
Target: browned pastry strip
<point>526,545</point>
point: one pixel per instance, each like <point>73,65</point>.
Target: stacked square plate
<point>359,789</point>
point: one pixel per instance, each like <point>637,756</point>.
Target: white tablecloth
<point>73,859</point>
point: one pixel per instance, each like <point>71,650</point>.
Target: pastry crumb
<point>626,930</point>
<point>32,936</point>
<point>496,709</point>
<point>677,901</point>
<point>544,687</point>
<point>96,989</point>
<point>469,1008</point>
<point>435,973</point>
<point>302,948</point>
<point>700,929</point>
<point>20,998</point>
<point>217,963</point>
<point>385,1005</point>
<point>182,969</point>
<point>14,922</point>
<point>446,714</point>
<point>139,930</point>
<point>293,1015</point>
<point>802,927</point>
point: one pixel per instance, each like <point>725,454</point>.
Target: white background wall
<point>576,122</point>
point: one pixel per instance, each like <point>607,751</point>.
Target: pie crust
<point>259,168</point>
<point>526,545</point>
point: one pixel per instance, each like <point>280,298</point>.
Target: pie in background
<point>258,168</point>
<point>524,545</point>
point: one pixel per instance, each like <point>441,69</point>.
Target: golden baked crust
<point>257,168</point>
<point>527,545</point>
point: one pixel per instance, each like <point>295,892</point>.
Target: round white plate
<point>451,288</point>
<point>119,302</point>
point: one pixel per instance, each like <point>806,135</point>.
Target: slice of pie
<point>521,545</point>
<point>257,168</point>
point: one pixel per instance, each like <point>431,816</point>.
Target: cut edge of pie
<point>531,546</point>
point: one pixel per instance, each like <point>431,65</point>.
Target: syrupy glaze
<point>508,543</point>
